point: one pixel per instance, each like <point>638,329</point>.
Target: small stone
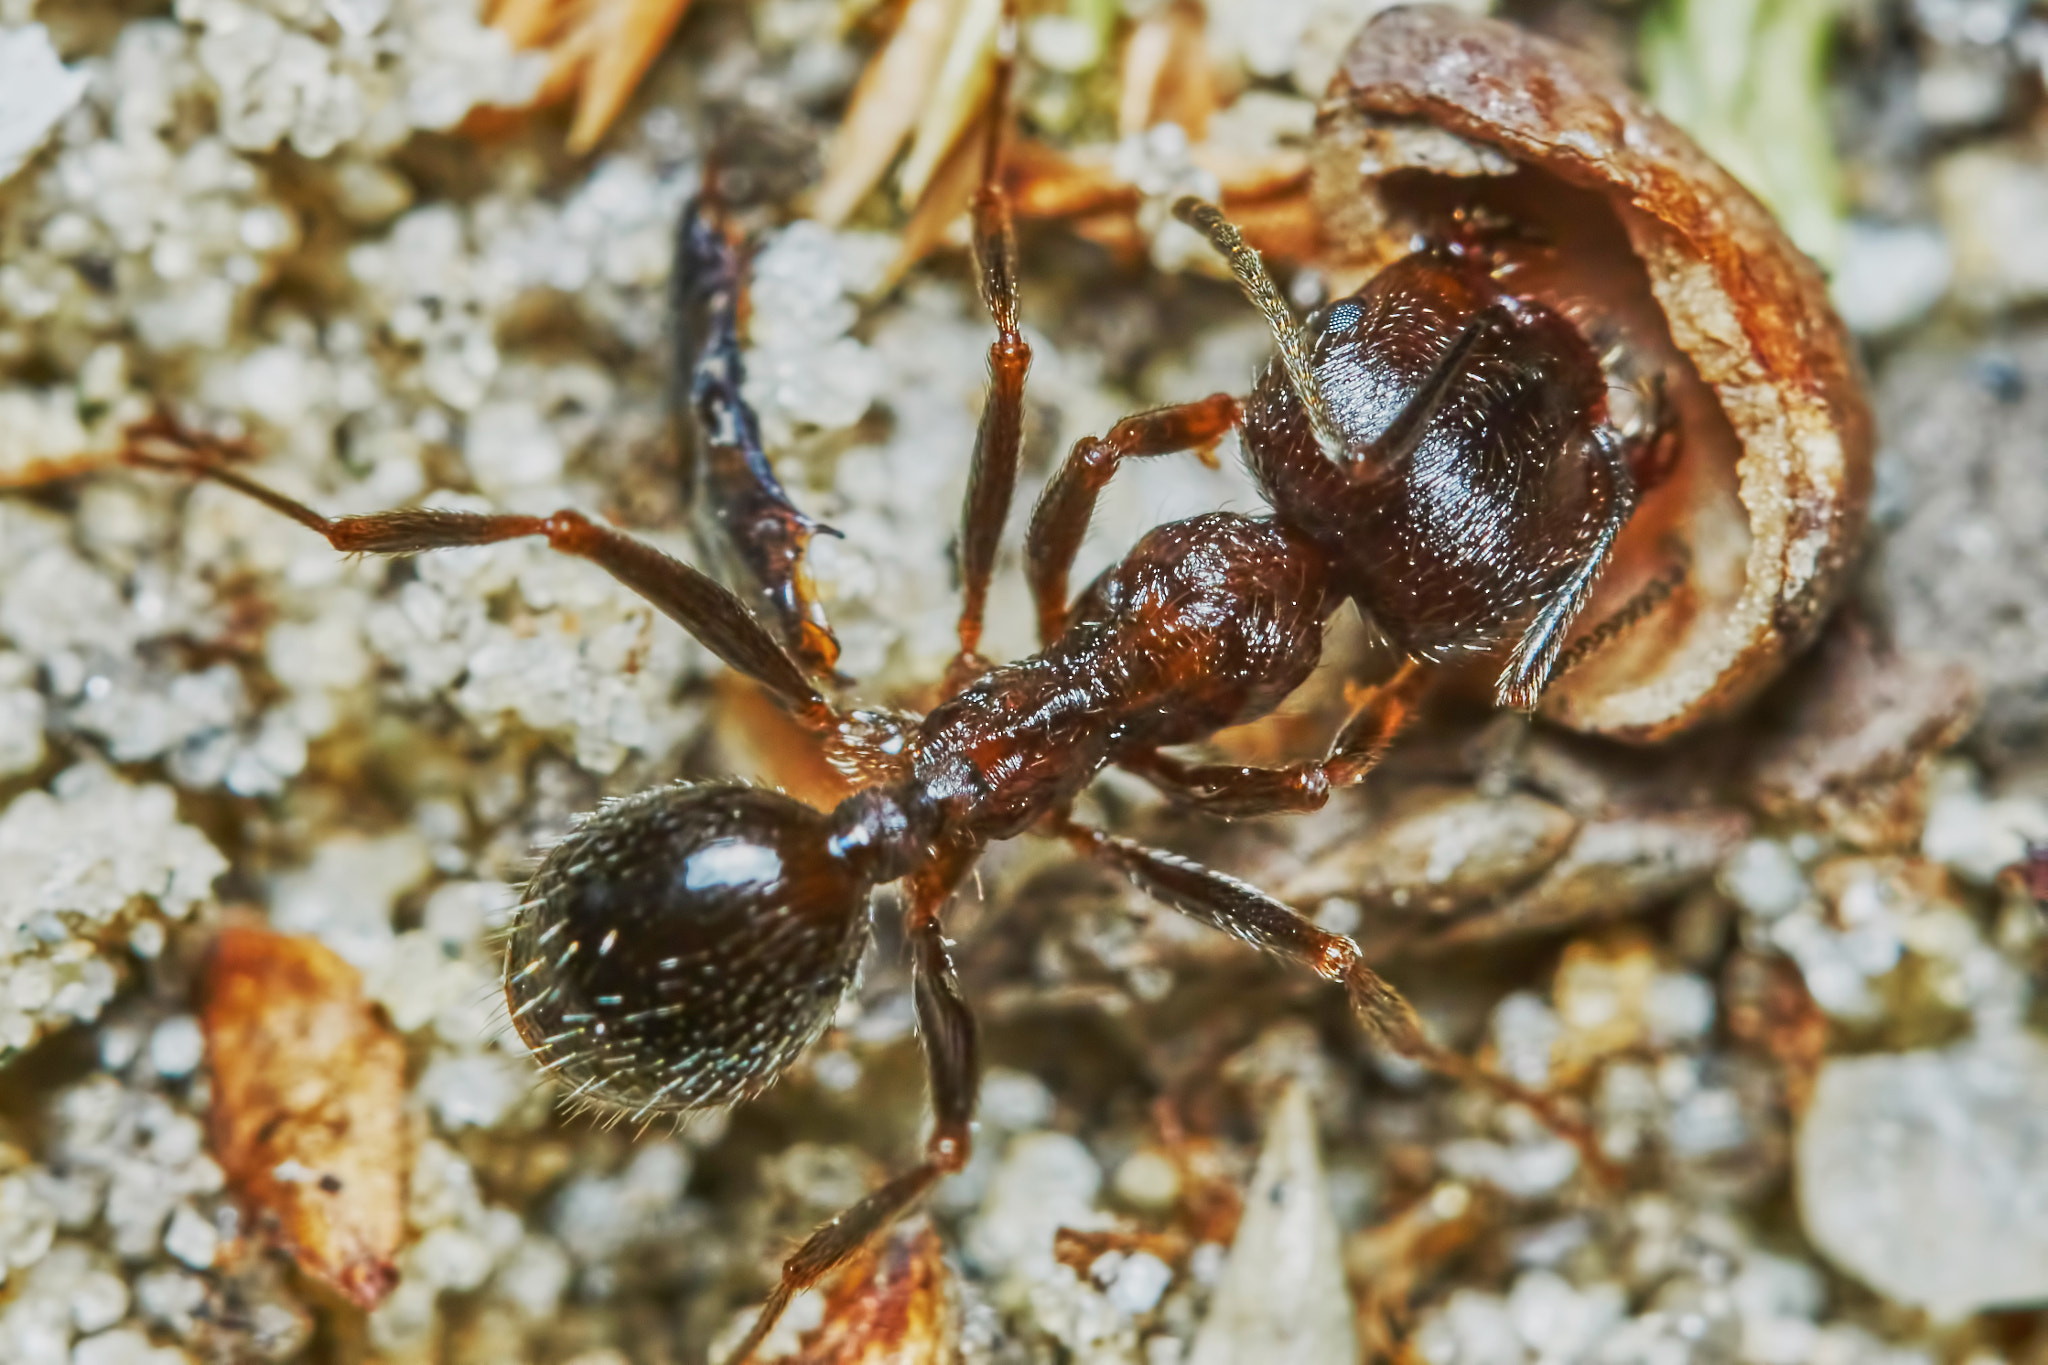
<point>99,1299</point>
<point>1046,1181</point>
<point>1765,879</point>
<point>1604,992</point>
<point>69,889</point>
<point>534,1276</point>
<point>176,1046</point>
<point>1282,1294</point>
<point>345,896</point>
<point>368,193</point>
<point>1014,1100</point>
<point>1925,1174</point>
<point>1147,1179</point>
<point>1889,276</point>
<point>450,1258</point>
<point>1679,1008</point>
<point>1959,88</point>
<point>1994,205</point>
<point>1965,491</point>
<point>1526,1170</point>
<point>1139,1282</point>
<point>191,1238</point>
<point>28,1224</point>
<point>1525,1032</point>
<point>125,1346</point>
<point>1976,836</point>
<point>474,1091</point>
<point>36,92</point>
<point>1559,1322</point>
<point>1472,1328</point>
<point>1857,736</point>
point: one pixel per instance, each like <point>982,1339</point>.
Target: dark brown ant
<point>1435,447</point>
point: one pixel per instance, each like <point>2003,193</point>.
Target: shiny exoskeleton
<point>1436,447</point>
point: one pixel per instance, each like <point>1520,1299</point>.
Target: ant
<point>1434,447</point>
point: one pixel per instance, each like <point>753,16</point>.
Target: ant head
<point>680,948</point>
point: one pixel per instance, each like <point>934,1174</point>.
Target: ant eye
<point>1342,317</point>
<point>681,948</point>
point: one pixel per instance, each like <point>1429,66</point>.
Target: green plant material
<point>1748,79</point>
<point>1100,15</point>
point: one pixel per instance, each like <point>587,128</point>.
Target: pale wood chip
<point>893,90</point>
<point>958,96</point>
<point>1165,75</point>
<point>629,35</point>
<point>599,49</point>
<point>308,1106</point>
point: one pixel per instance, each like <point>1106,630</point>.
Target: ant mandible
<point>1434,447</point>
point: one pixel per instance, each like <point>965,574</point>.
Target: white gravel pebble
<point>1925,1174</point>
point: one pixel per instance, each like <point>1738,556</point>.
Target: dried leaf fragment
<point>885,107</point>
<point>600,50</point>
<point>308,1094</point>
<point>889,1307</point>
<point>1614,868</point>
<point>1390,1261</point>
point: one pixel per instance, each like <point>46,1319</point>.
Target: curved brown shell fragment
<point>308,1111</point>
<point>1434,91</point>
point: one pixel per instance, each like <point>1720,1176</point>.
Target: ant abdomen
<point>681,947</point>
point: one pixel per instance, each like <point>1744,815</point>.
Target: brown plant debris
<point>308,1106</point>
<point>599,50</point>
<point>890,1307</point>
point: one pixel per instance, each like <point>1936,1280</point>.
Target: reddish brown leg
<point>992,478</point>
<point>945,1025</point>
<point>700,605</point>
<point>1060,520</point>
<point>1631,613</point>
<point>1222,789</point>
<point>1247,913</point>
<point>724,464</point>
<point>1530,667</point>
<point>1633,466</point>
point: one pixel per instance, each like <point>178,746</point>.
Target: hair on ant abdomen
<point>1434,447</point>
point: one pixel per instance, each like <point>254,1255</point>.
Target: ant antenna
<point>1250,269</point>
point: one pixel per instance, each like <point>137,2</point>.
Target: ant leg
<point>709,611</point>
<point>1652,454</point>
<point>1529,669</point>
<point>1064,509</point>
<point>1226,790</point>
<point>992,478</point>
<point>952,1070</point>
<point>1631,613</point>
<point>1246,913</point>
<point>720,438</point>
